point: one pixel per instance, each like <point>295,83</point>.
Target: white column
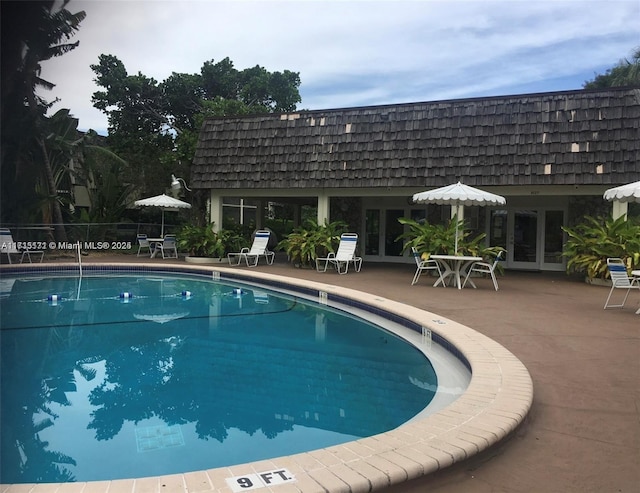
<point>323,208</point>
<point>619,209</point>
<point>457,209</point>
<point>215,215</point>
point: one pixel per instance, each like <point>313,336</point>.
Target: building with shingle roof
<point>551,155</point>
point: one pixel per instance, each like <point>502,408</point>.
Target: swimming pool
<point>497,400</point>
<point>169,374</point>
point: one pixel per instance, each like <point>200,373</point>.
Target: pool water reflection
<point>186,374</point>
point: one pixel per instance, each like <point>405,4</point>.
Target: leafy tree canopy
<point>154,125</point>
<point>624,73</point>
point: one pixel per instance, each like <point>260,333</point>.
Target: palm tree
<point>34,32</point>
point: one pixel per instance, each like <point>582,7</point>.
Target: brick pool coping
<point>497,400</point>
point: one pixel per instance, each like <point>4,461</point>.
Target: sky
<point>353,52</point>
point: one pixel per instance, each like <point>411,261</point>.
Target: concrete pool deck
<point>583,431</point>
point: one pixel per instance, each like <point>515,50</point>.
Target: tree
<point>155,125</point>
<point>624,73</point>
<point>139,125</point>
<point>81,159</point>
<point>32,32</point>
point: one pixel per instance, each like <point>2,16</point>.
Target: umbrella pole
<point>456,217</point>
<point>162,229</point>
<point>456,245</point>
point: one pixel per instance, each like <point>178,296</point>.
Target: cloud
<point>352,53</point>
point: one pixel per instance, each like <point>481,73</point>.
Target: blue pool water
<point>184,374</point>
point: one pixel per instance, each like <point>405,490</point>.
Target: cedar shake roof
<point>561,138</point>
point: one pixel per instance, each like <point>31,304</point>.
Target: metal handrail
<point>79,260</point>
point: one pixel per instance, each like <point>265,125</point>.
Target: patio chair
<point>619,280</point>
<point>169,246</point>
<point>258,248</point>
<point>143,243</point>
<point>10,247</point>
<point>346,254</point>
<point>423,265</point>
<point>485,268</point>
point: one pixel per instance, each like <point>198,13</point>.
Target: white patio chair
<point>485,268</point>
<point>143,243</point>
<point>10,247</point>
<point>423,265</point>
<point>258,248</point>
<point>346,254</point>
<point>619,280</point>
<point>168,247</point>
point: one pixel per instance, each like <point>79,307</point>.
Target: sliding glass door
<point>533,237</point>
<point>381,232</point>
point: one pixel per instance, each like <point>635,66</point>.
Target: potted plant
<point>428,238</point>
<point>203,245</point>
<point>306,243</point>
<point>440,239</point>
<point>431,239</point>
<point>593,241</point>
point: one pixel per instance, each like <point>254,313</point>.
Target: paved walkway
<point>583,431</point>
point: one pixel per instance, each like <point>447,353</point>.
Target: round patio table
<point>456,266</point>
<point>155,242</point>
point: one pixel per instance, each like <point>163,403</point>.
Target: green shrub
<point>440,239</point>
<point>595,240</point>
<point>202,241</point>
<point>310,241</point>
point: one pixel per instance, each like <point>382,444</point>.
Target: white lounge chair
<point>422,265</point>
<point>345,255</point>
<point>620,280</point>
<point>10,247</point>
<point>258,249</point>
<point>485,268</point>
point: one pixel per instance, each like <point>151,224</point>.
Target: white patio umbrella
<point>164,202</point>
<point>624,193</point>
<point>458,195</point>
<point>161,318</point>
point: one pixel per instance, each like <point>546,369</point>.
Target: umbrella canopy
<point>624,193</point>
<point>458,195</point>
<point>164,202</point>
<point>161,318</point>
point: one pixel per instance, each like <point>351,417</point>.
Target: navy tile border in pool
<point>72,268</point>
<point>437,338</point>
